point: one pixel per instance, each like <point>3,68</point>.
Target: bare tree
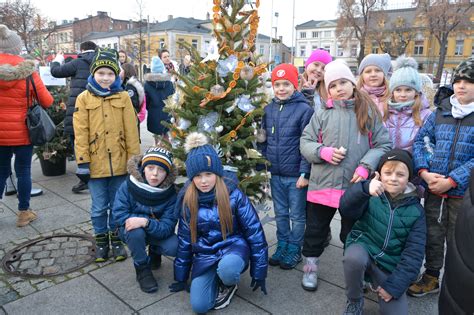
<point>392,37</point>
<point>441,18</point>
<point>353,20</point>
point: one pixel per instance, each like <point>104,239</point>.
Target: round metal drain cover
<point>50,256</point>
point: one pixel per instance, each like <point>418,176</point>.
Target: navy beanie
<point>157,156</point>
<point>202,157</point>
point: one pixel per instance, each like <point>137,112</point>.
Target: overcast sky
<point>305,10</point>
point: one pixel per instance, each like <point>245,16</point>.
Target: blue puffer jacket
<point>158,87</point>
<point>453,141</point>
<point>247,239</point>
<point>284,122</point>
<point>135,198</point>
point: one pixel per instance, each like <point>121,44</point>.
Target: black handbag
<point>40,126</point>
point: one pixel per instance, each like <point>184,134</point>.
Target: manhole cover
<point>50,256</point>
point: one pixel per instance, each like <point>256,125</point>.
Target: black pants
<point>318,220</point>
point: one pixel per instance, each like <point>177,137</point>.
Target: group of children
<point>323,150</point>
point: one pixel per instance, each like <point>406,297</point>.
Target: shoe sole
<point>422,294</point>
<point>287,267</point>
<point>99,260</point>
<point>120,258</point>
<point>228,300</point>
<point>273,262</point>
<point>37,194</point>
<point>152,290</point>
<point>311,289</point>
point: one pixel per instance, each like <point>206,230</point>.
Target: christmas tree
<point>222,96</point>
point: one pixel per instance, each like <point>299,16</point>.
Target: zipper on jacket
<point>451,154</point>
<point>277,135</point>
<point>389,229</point>
<point>110,163</point>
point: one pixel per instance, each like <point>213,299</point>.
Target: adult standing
<point>170,65</point>
<point>14,135</point>
<point>79,70</point>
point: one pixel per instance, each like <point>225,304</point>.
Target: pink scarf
<point>375,93</point>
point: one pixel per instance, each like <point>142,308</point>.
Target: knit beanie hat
<point>10,42</point>
<point>202,157</point>
<point>398,155</point>
<point>157,65</point>
<point>285,71</point>
<point>464,71</point>
<point>105,57</point>
<point>405,74</point>
<point>157,156</point>
<point>379,60</point>
<point>320,55</point>
<point>336,70</point>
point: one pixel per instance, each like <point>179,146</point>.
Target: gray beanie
<point>379,60</point>
<point>10,42</point>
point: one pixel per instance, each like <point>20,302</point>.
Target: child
<point>219,232</point>
<point>446,173</point>
<point>158,87</point>
<point>144,211</point>
<point>136,92</point>
<point>387,241</point>
<point>106,136</point>
<point>406,112</point>
<point>344,142</point>
<point>373,71</point>
<point>284,120</point>
<point>312,83</point>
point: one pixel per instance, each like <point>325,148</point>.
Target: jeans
<point>204,288</point>
<point>102,192</point>
<point>289,204</point>
<point>138,239</point>
<point>23,154</point>
<point>356,263</point>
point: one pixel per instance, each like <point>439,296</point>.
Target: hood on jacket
<point>157,77</point>
<point>87,55</point>
<point>139,87</point>
<point>443,92</point>
<point>133,168</point>
<point>15,68</point>
<point>297,97</point>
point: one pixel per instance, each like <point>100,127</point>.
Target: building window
<point>314,47</point>
<point>375,50</point>
<point>327,34</point>
<point>327,48</point>
<point>162,43</point>
<point>115,46</point>
<point>315,34</point>
<point>109,46</point>
<point>353,50</point>
<point>262,50</point>
<point>194,42</point>
<point>459,48</point>
<point>302,51</point>
<point>418,50</point>
<point>302,34</point>
<point>340,51</point>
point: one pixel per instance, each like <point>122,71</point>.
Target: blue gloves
<point>179,286</point>
<point>255,284</point>
<point>83,172</point>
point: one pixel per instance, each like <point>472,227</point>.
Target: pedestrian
<point>185,66</point>
<point>373,78</point>
<point>123,57</point>
<point>14,102</point>
<point>387,241</point>
<point>344,141</point>
<point>170,65</point>
<point>106,137</point>
<point>78,70</point>
<point>283,121</point>
<point>144,210</point>
<point>219,232</point>
<point>444,156</point>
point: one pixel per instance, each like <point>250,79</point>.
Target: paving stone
<point>70,252</point>
<point>51,246</point>
<point>43,254</point>
<point>51,270</point>
<point>89,268</point>
<point>28,264</point>
<point>74,274</point>
<point>12,280</point>
<point>23,288</point>
<point>57,253</point>
<point>36,271</point>
<point>27,256</point>
<point>46,262</point>
<point>8,297</point>
<point>59,216</point>
<point>3,284</point>
<point>59,279</point>
<point>36,280</point>
<point>10,232</point>
<point>45,284</point>
<point>35,249</point>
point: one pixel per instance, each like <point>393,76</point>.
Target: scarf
<point>460,111</point>
<point>96,89</point>
<point>149,195</point>
<point>400,106</point>
<point>377,91</point>
<point>206,198</point>
<point>169,67</point>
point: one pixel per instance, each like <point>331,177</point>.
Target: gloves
<point>179,286</point>
<point>255,284</point>
<point>326,153</point>
<point>83,172</point>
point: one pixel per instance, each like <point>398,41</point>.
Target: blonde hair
<point>416,110</point>
<point>191,202</point>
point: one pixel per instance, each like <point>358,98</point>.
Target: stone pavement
<point>111,288</point>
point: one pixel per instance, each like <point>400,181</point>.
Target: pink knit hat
<point>318,55</point>
<point>336,70</point>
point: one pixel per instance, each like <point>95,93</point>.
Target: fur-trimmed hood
<point>13,68</point>
<point>157,77</point>
<point>139,87</point>
<point>133,168</point>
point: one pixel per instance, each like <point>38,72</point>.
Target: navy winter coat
<point>79,70</point>
<point>247,239</point>
<point>157,88</point>
<point>284,122</point>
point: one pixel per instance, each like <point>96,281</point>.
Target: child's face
<point>205,181</point>
<point>283,89</point>
<point>315,70</point>
<point>154,175</point>
<point>403,94</point>
<point>394,177</point>
<point>122,57</point>
<point>105,77</point>
<point>464,91</point>
<point>341,89</point>
<point>373,76</point>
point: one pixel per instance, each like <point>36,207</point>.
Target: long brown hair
<point>190,201</point>
<point>416,111</point>
<point>366,111</point>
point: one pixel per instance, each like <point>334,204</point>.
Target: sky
<point>305,10</point>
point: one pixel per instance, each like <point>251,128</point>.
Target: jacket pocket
<point>94,144</point>
<point>117,103</point>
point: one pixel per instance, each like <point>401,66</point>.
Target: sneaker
<point>278,255</point>
<point>35,192</point>
<point>291,257</point>
<point>224,296</point>
<point>81,186</point>
<point>354,307</point>
<point>25,217</point>
<point>310,276</point>
<point>101,247</point>
<point>426,285</point>
<point>145,279</point>
<point>118,249</point>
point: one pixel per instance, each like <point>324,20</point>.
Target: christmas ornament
<point>227,65</point>
<point>246,73</point>
<point>218,149</point>
<point>243,102</point>
<point>184,124</point>
<point>219,129</point>
<point>212,51</point>
<point>253,154</point>
<point>207,122</point>
<point>261,135</point>
<point>217,90</point>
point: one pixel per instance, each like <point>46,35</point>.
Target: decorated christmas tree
<point>223,96</point>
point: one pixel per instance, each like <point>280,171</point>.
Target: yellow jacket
<point>106,133</point>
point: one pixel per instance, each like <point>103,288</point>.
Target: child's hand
<point>302,182</point>
<point>384,295</point>
<point>440,185</point>
<point>430,178</point>
<point>338,155</point>
<point>376,186</point>
<point>135,223</point>
<point>310,83</point>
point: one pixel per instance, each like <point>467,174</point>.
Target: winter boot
<point>145,278</point>
<point>291,257</point>
<point>279,254</point>
<point>426,285</point>
<point>354,307</point>
<point>310,276</point>
<point>118,249</point>
<point>155,257</point>
<point>101,247</point>
<point>25,217</point>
